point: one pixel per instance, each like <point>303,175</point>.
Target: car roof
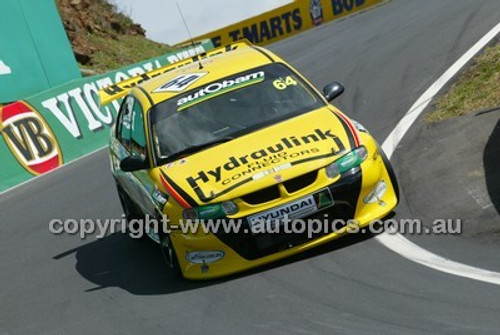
<point>215,67</point>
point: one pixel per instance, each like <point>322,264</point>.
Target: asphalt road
<point>386,57</point>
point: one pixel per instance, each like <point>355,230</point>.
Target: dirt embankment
<point>102,37</point>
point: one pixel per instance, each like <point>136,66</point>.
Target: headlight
<point>215,211</point>
<point>332,170</point>
<point>229,207</point>
<point>348,161</point>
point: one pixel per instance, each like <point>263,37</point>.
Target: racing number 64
<point>282,84</point>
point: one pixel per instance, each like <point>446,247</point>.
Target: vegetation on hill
<point>103,38</point>
<point>477,89</point>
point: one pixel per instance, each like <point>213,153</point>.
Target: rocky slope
<point>102,37</point>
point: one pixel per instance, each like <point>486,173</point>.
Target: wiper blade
<point>198,147</point>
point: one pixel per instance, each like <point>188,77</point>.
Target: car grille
<point>272,193</point>
<point>345,194</point>
<point>261,196</point>
<point>296,184</point>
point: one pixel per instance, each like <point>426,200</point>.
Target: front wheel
<point>132,213</point>
<point>129,209</point>
<point>169,254</point>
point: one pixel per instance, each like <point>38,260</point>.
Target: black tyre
<point>131,211</point>
<point>169,254</point>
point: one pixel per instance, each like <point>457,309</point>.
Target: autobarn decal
<point>30,139</point>
<point>287,150</point>
<point>217,88</point>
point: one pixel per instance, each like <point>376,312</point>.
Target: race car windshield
<point>228,108</point>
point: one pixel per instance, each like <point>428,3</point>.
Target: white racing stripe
<point>398,243</point>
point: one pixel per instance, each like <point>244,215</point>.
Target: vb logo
<point>30,139</point>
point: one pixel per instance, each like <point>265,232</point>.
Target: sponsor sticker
<point>257,164</point>
<point>159,197</point>
<point>204,257</point>
<point>217,88</point>
<point>293,210</point>
<point>316,11</point>
<point>30,138</point>
<point>275,169</point>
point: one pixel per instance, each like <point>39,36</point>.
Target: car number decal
<point>284,83</point>
<point>181,82</point>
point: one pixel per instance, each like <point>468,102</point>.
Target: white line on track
<point>398,243</point>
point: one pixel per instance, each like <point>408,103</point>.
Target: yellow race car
<point>238,138</point>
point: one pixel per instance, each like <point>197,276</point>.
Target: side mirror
<point>133,163</point>
<point>333,90</point>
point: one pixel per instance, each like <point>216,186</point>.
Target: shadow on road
<point>138,267</point>
<point>491,161</point>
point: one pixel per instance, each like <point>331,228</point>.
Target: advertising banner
<point>286,21</point>
<point>57,126</point>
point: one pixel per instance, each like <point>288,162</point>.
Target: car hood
<point>260,159</point>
